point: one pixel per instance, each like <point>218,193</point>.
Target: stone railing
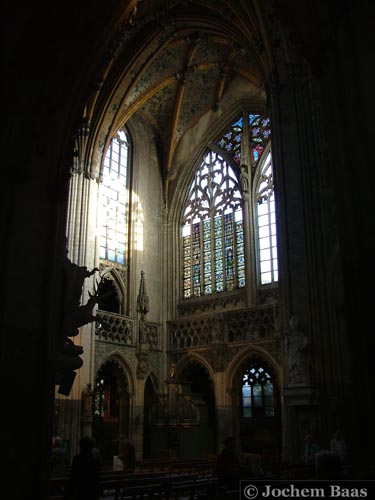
<point>115,328</point>
<point>251,324</point>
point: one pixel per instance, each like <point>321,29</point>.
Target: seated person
<point>228,466</point>
<point>327,465</point>
<point>251,465</point>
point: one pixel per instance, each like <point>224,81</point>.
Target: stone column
<point>249,241</point>
<point>224,425</point>
<point>302,264</point>
<point>81,246</point>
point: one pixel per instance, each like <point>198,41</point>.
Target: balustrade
<point>250,324</point>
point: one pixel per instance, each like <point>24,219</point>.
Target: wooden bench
<point>169,489</point>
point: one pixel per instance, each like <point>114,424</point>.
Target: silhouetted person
<point>328,465</point>
<point>338,446</point>
<point>85,472</point>
<point>228,466</point>
<point>127,454</point>
<point>58,458</point>
<point>251,466</point>
<point>58,466</point>
<point>310,450</point>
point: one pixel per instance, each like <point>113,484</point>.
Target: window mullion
<point>223,258</point>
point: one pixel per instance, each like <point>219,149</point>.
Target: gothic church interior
<point>186,253</point>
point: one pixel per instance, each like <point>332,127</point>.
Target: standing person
<point>58,463</point>
<point>58,458</point>
<point>228,466</point>
<point>84,478</point>
<point>127,454</point>
<point>310,450</point>
<point>338,446</point>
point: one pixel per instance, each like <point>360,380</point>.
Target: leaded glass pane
<point>213,212</point>
<point>231,141</point>
<point>266,221</point>
<point>112,234</point>
<point>257,390</point>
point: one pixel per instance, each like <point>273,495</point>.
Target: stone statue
<point>298,357</point>
<point>244,177</point>
<point>172,371</point>
<point>74,314</point>
<point>87,397</point>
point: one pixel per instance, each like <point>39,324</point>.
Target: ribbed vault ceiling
<point>175,62</point>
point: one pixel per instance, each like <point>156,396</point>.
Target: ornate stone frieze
<point>230,301</point>
<point>104,350</point>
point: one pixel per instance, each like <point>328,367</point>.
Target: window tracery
<point>257,392</point>
<point>212,227</point>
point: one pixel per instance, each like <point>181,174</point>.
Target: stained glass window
<point>212,230</point>
<point>257,392</point>
<point>266,222</point>
<point>114,201</point>
<point>212,223</point>
<point>259,130</point>
<point>230,142</point>
<point>259,134</point>
<point>99,398</point>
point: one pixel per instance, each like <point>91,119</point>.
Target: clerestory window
<point>266,224</point>
<point>212,230</point>
<point>114,201</point>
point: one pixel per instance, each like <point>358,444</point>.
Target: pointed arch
<point>237,362</point>
<point>194,357</point>
<point>113,274</point>
<point>212,230</point>
<point>118,358</point>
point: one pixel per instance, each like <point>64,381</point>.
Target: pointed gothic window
<point>213,218</point>
<point>257,392</point>
<point>266,223</point>
<point>114,201</point>
<point>212,230</point>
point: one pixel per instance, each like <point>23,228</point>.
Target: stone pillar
<point>224,425</point>
<point>249,241</point>
<point>300,413</point>
<point>81,246</point>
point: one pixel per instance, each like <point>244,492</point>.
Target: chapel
<point>186,255</point>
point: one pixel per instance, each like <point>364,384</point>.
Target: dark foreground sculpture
<point>74,315</point>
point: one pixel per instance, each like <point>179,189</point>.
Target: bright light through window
<point>266,222</point>
<point>114,201</point>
